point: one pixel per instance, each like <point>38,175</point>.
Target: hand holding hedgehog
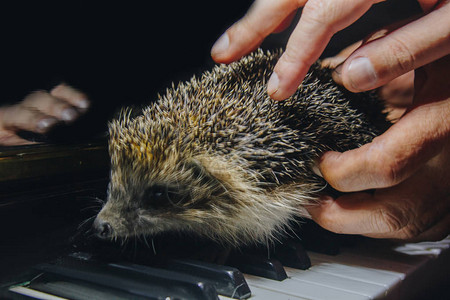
<point>408,164</point>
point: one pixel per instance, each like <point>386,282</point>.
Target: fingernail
<point>336,74</point>
<point>68,114</point>
<point>316,170</point>
<point>338,69</point>
<point>361,73</point>
<point>221,45</point>
<point>272,85</point>
<point>83,104</point>
<point>44,124</point>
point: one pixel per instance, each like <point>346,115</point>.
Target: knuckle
<point>402,55</point>
<point>60,88</point>
<point>290,57</point>
<point>34,96</point>
<point>390,219</point>
<point>388,174</point>
<point>318,12</point>
<point>324,14</point>
<point>385,168</point>
<point>246,27</point>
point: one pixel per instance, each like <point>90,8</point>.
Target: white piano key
<point>265,294</point>
<point>370,290</point>
<point>384,278</point>
<point>424,248</point>
<point>365,262</point>
<point>445,241</point>
<point>301,289</point>
<point>418,252</point>
<point>430,245</point>
<point>397,261</point>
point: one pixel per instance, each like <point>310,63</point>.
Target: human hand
<point>409,47</point>
<point>407,166</point>
<point>39,112</point>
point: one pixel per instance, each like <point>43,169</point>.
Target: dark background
<point>125,52</point>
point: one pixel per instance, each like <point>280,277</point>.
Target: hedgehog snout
<point>102,229</point>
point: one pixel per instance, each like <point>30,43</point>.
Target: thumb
<point>409,47</point>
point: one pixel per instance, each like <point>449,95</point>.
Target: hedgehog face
<point>181,196</point>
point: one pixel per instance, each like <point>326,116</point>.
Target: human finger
<point>319,21</point>
<point>50,105</point>
<point>428,5</point>
<point>18,117</point>
<point>378,217</point>
<point>400,51</point>
<point>11,139</point>
<point>263,18</point>
<point>348,214</point>
<point>71,95</point>
<point>393,156</point>
<point>417,209</point>
<point>405,146</point>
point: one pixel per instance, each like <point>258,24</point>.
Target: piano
<point>48,195</point>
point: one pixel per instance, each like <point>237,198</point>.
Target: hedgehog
<point>216,156</point>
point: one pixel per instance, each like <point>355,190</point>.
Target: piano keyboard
<point>372,270</point>
<point>361,273</point>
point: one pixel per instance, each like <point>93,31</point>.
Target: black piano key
<point>154,285</point>
<point>228,281</point>
<point>258,265</point>
<point>24,293</point>
<point>292,254</point>
<point>203,289</point>
<point>79,290</point>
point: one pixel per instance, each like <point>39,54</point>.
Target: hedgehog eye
<point>159,196</point>
<point>156,196</point>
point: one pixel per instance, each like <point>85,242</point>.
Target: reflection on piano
<point>46,193</point>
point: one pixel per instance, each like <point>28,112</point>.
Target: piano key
<point>228,281</point>
<point>77,290</point>
<point>424,248</point>
<point>384,278</point>
<point>385,250</point>
<point>370,290</point>
<point>203,290</point>
<point>292,254</point>
<point>301,289</point>
<point>257,265</point>
<point>152,286</point>
<point>380,265</point>
<point>29,293</point>
<point>265,294</point>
